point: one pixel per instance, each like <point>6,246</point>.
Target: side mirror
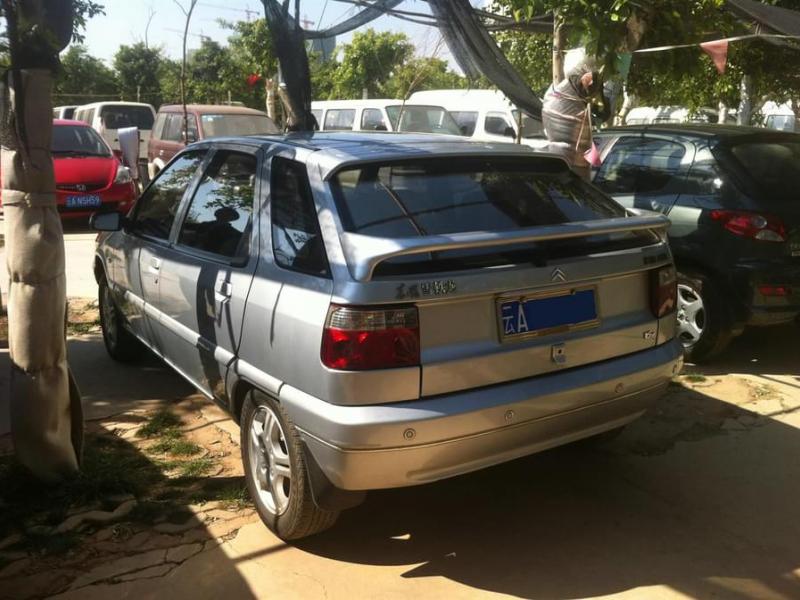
<point>381,128</point>
<point>191,136</point>
<point>509,132</point>
<point>464,130</point>
<point>106,221</point>
<point>118,154</point>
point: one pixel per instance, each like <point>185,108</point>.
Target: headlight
<point>123,175</point>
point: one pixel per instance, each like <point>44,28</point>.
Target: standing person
<point>567,115</point>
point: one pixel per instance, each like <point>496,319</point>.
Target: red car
<point>89,176</point>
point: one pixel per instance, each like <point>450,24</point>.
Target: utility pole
<point>138,93</point>
<point>559,43</point>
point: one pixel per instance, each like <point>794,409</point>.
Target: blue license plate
<point>90,201</point>
<point>571,309</point>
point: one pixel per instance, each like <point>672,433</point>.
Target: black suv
<point>733,195</point>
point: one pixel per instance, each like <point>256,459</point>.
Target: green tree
<point>417,74</point>
<point>369,61</point>
<point>206,69</point>
<point>138,68</point>
<point>83,78</point>
<point>169,81</point>
<point>251,53</point>
<point>323,77</point>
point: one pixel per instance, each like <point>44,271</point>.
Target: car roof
<point>333,150</point>
<point>369,103</point>
<point>465,100</point>
<point>218,109</point>
<point>113,103</point>
<point>704,130</point>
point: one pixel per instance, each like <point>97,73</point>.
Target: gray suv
<point>385,310</point>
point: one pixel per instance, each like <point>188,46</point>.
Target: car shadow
<point>758,351</point>
<point>698,496</point>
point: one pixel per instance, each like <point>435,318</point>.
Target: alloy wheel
<point>269,460</point>
<point>691,315</point>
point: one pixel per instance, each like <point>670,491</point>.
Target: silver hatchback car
<point>385,310</point>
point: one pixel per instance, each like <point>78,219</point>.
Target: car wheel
<point>275,471</point>
<point>120,343</point>
<point>705,326</point>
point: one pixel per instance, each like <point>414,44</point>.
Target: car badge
<point>80,187</point>
<point>557,276</point>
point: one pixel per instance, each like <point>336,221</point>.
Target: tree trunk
<point>559,44</point>
<point>46,416</point>
<point>188,14</point>
<point>796,110</point>
<point>629,101</point>
<point>269,85</point>
<point>723,112</point>
<point>746,100</point>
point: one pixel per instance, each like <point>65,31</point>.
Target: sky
<point>125,22</point>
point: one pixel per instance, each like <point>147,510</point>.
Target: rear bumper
<point>759,309</point>
<point>409,443</point>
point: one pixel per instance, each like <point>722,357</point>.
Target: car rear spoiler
<point>364,253</point>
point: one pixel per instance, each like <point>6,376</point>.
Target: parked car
<point>485,115</point>
<point>731,194</point>
<point>646,115</point>
<point>108,117</point>
<point>205,121</point>
<point>88,174</point>
<point>779,116</point>
<point>384,310</point>
<point>382,115</point>
<point>64,112</point>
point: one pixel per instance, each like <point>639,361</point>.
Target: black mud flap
<point>326,495</point>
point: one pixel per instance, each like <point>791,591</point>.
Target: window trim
<point>299,272</point>
<point>169,240</point>
<point>237,261</point>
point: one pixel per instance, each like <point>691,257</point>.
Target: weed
<point>695,377</point>
<point>82,328</point>
<point>159,424</point>
<point>172,442</point>
<point>232,495</point>
<point>195,467</point>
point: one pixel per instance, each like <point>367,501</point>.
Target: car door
<point>643,171</point>
<point>149,231</point>
<point>205,275</point>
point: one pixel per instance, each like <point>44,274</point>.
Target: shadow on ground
<point>699,496</point>
<point>759,351</point>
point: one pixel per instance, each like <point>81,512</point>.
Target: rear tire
<point>120,343</point>
<point>276,472</point>
<point>705,323</point>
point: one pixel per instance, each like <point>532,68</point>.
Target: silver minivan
<point>384,310</point>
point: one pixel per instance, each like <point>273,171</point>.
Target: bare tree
<point>187,12</point>
<point>150,14</point>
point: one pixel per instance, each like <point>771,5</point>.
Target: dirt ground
<point>698,499</point>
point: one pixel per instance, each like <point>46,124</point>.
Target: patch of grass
<point>159,424</point>
<point>695,377</point>
<point>110,467</point>
<point>173,442</point>
<point>231,495</point>
<point>82,328</point>
<point>195,467</point>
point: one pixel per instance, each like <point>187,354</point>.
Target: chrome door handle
<point>155,265</point>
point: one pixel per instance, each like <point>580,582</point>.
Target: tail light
<point>663,291</point>
<point>359,339</point>
<point>751,225</point>
<point>775,291</point>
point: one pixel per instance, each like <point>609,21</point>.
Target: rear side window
<point>340,119</point>
<point>497,124</point>
<point>158,128</point>
<point>446,196</point>
<point>639,165</point>
<point>157,207</point>
<point>219,216</point>
<point>466,121</point>
<point>372,120</point>
<point>773,166</point>
<point>173,127</point>
<point>119,116</point>
<point>296,240</point>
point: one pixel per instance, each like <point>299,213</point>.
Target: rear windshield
<point>774,166</point>
<point>118,117</point>
<point>446,196</point>
<point>422,119</point>
<point>231,125</point>
<point>77,140</point>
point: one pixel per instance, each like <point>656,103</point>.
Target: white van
<point>484,115</point>
<point>646,115</point>
<point>779,116</point>
<point>64,112</point>
<point>382,115</point>
<point>107,117</point>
